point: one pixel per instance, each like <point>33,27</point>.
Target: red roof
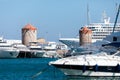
<point>29,27</point>
<point>86,30</point>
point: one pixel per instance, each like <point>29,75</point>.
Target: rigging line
<point>40,72</point>
<point>116,18</point>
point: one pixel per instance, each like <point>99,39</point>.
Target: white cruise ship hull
<point>72,72</point>
<point>9,53</point>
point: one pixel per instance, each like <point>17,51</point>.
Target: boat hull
<point>50,54</point>
<point>38,54</point>
<point>9,53</point>
<point>82,70</point>
<point>99,64</point>
<point>73,72</point>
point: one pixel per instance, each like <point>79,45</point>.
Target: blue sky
<point>51,17</point>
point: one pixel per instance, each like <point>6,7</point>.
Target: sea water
<point>36,69</point>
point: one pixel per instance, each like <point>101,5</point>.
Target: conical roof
<point>86,30</point>
<point>29,27</point>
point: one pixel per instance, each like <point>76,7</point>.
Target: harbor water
<point>37,69</point>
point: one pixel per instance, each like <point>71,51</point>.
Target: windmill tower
<point>29,34</point>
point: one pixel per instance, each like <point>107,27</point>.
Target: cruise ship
<point>99,32</point>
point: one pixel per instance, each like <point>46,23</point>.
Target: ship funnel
<point>107,20</point>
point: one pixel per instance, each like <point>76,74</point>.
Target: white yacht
<point>21,47</point>
<point>114,38</point>
<point>70,42</point>
<point>36,50</point>
<point>7,50</point>
<point>99,31</point>
<point>114,44</point>
<point>99,64</point>
<point>50,49</point>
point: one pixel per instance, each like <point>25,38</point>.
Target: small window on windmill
<point>114,38</point>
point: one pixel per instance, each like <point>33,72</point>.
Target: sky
<point>52,18</point>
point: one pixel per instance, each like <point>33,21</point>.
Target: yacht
<point>50,49</point>
<point>7,50</point>
<point>99,32</point>
<point>114,38</point>
<point>36,49</point>
<point>70,42</point>
<point>114,43</point>
<point>97,64</point>
<point>21,47</point>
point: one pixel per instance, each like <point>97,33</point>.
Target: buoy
<point>96,67</point>
<point>84,68</point>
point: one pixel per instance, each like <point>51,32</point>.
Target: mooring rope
<point>40,72</point>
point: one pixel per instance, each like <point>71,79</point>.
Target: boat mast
<point>116,18</point>
<point>88,15</point>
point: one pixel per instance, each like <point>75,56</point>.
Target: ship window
<point>114,38</point>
